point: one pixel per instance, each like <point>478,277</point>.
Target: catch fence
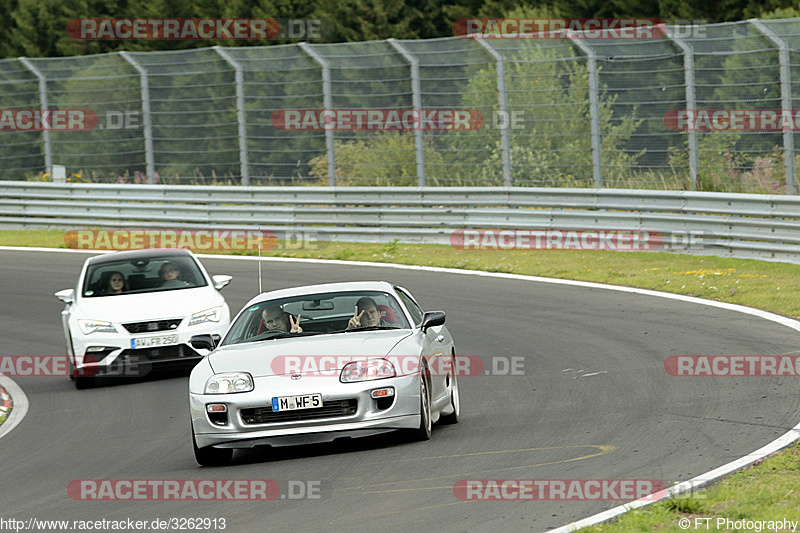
<point>559,112</point>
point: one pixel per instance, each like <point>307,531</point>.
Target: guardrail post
<point>786,99</point>
<point>48,148</point>
<point>502,104</point>
<point>327,103</point>
<point>147,121</point>
<point>691,103</point>
<point>416,103</point>
<point>244,164</point>
<point>594,106</point>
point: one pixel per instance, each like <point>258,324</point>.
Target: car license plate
<point>292,403</point>
<point>149,342</point>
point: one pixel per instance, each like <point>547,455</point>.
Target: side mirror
<point>202,342</point>
<point>67,295</point>
<point>221,280</point>
<point>432,318</point>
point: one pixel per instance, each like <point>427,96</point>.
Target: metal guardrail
<point>736,225</point>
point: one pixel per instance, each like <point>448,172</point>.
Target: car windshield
<point>319,313</point>
<point>142,275</point>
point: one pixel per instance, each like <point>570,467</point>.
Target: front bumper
<point>113,353</point>
<point>369,418</point>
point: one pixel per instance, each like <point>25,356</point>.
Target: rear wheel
<point>455,399</point>
<point>210,456</point>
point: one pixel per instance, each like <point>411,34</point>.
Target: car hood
<point>258,358</point>
<point>149,306</point>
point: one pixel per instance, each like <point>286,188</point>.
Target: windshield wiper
<point>283,335</point>
<point>369,328</point>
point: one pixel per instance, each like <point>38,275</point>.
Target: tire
<point>423,432</point>
<point>210,456</point>
<point>84,383</point>
<point>70,355</point>
<point>455,398</point>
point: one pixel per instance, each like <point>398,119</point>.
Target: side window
<point>413,308</point>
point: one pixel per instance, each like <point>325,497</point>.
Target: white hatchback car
<point>135,310</point>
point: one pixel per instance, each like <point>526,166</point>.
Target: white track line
<point>686,486</point>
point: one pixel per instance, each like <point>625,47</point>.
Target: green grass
<point>769,490</point>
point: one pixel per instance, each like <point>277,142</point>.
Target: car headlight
<point>367,371</point>
<point>209,315</point>
<point>96,326</point>
<point>229,383</point>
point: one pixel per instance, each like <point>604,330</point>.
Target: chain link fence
<point>563,112</point>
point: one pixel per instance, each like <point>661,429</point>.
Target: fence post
<point>786,99</point>
<point>502,104</point>
<point>594,106</point>
<point>48,148</point>
<point>147,120</point>
<point>416,103</point>
<point>327,103</point>
<point>244,164</point>
<point>691,103</point>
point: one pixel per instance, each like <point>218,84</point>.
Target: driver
<point>370,315</point>
<point>169,274</point>
<point>274,319</point>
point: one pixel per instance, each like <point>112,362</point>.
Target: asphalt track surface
<point>628,420</point>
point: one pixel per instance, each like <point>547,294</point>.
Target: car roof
<point>127,255</point>
<point>348,286</point>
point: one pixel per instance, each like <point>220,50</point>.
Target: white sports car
<point>312,364</point>
<point>135,310</point>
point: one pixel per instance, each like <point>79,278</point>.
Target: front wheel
<point>455,399</point>
<point>210,456</point>
<point>423,432</point>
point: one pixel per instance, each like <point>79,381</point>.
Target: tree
<point>551,85</point>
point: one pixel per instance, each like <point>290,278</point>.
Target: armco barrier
<point>736,225</point>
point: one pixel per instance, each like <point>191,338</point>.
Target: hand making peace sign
<point>295,326</point>
<point>355,321</point>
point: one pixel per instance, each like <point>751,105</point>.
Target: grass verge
<point>769,490</point>
<point>765,491</point>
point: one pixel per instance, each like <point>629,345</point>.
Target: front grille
<point>178,351</point>
<point>153,325</point>
<point>329,409</point>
